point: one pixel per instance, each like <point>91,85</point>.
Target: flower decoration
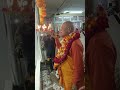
<point>65,47</point>
<point>42,10</point>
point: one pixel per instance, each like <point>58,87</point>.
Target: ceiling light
<point>66,11</point>
<point>76,12</point>
<point>73,12</point>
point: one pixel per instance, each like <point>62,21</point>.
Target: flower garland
<point>42,10</point>
<point>65,47</point>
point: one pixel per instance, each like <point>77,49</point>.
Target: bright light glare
<point>73,11</point>
<point>44,27</point>
<point>50,26</point>
<point>42,34</point>
<point>66,11</point>
<point>39,26</point>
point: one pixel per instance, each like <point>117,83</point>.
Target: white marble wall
<point>38,54</point>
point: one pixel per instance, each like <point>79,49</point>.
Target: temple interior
<point>26,24</point>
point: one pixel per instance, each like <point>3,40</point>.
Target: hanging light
<point>49,26</point>
<point>39,26</point>
<point>44,27</point>
<point>73,12</point>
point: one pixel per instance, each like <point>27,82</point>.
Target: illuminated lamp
<point>73,12</point>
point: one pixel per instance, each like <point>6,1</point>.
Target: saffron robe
<point>72,69</point>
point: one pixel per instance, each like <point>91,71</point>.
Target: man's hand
<point>74,87</point>
<point>54,35</point>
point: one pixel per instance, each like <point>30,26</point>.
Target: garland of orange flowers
<point>42,10</point>
<point>65,47</point>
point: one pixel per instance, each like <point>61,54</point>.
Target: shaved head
<point>66,28</point>
<point>69,26</point>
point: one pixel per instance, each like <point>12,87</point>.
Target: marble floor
<point>49,80</point>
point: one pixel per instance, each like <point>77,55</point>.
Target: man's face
<point>63,31</point>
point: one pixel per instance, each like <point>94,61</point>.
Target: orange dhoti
<point>65,71</point>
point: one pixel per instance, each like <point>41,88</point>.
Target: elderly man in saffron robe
<point>100,54</point>
<point>69,58</point>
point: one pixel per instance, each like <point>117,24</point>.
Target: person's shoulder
<point>77,43</point>
<point>101,40</point>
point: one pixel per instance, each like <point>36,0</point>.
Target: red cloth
<point>100,59</point>
<point>76,53</point>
